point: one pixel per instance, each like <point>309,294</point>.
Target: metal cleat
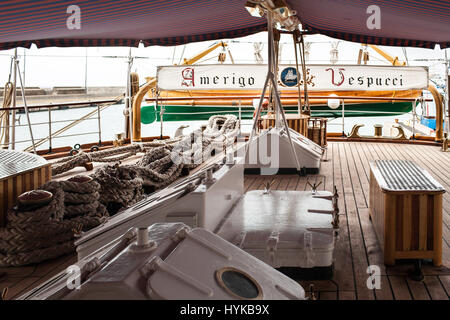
<point>314,186</point>
<point>445,142</point>
<point>401,133</point>
<point>355,131</point>
<point>268,186</point>
<point>335,222</point>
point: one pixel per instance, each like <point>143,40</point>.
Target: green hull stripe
<point>191,113</point>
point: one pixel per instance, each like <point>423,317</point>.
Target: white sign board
<point>318,77</point>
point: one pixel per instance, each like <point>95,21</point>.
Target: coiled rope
<point>32,236</point>
<point>48,232</point>
<point>122,153</point>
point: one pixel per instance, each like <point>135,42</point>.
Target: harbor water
<point>112,123</point>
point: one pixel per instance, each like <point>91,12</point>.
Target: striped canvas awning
<point>419,23</point>
<point>122,22</point>
<point>407,23</point>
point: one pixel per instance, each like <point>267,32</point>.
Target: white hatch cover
<point>204,266</point>
<point>285,224</point>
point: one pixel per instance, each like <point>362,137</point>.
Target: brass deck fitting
<point>378,130</point>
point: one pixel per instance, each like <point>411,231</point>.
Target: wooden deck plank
<point>257,183</point>
<point>363,178</point>
<point>15,290</point>
<point>418,290</point>
<point>373,249</point>
<point>435,288</point>
<point>358,193</point>
<point>328,295</point>
<point>347,295</point>
<point>445,281</point>
<point>385,291</point>
<point>44,274</point>
<point>343,266</point>
<point>293,181</point>
<point>358,248</point>
<point>248,181</point>
<point>400,288</point>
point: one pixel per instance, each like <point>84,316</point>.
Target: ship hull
<point>200,105</point>
<point>151,113</point>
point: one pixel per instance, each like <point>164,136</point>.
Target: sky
<point>49,67</point>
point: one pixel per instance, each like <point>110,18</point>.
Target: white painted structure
<point>271,150</point>
<point>170,261</point>
<point>195,201</point>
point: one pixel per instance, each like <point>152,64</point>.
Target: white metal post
<point>447,89</point>
<point>128,97</point>
<point>85,71</point>
<point>343,117</point>
<point>14,103</point>
<point>414,119</point>
<point>25,104</point>
<point>240,117</point>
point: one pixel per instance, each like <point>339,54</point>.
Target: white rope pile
<point>219,135</point>
<point>222,130</point>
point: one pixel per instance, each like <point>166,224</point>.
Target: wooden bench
<point>406,211</point>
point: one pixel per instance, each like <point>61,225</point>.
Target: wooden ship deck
<point>346,165</point>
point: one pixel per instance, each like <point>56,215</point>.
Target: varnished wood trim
<point>423,222</point>
<point>437,258</point>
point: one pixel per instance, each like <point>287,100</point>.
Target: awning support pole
<point>14,103</point>
<point>128,101</point>
<point>301,45</point>
<point>299,100</point>
<point>17,68</point>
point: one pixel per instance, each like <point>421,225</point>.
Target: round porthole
<point>238,284</point>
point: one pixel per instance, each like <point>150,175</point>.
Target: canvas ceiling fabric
<point>122,22</point>
<point>407,23</point>
<point>420,23</point>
